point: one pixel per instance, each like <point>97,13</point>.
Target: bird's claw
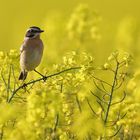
<point>44,78</point>
<point>24,85</point>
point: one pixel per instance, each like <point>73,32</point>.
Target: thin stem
<point>8,83</point>
<point>2,132</point>
<point>100,89</point>
<point>56,122</point>
<point>120,100</point>
<point>94,113</point>
<point>111,93</point>
<point>40,79</point>
<point>102,81</point>
<point>98,97</point>
<point>116,132</point>
<point>78,103</point>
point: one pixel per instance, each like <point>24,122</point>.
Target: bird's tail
<point>23,75</point>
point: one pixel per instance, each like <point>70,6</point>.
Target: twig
<point>61,88</point>
<point>102,81</point>
<point>122,64</point>
<point>104,97</point>
<point>103,87</point>
<point>118,119</point>
<point>109,137</point>
<point>13,73</point>
<point>8,82</point>
<point>99,87</point>
<point>111,93</point>
<point>116,132</point>
<point>40,79</point>
<point>120,100</point>
<point>98,97</point>
<point>78,103</point>
<point>56,122</point>
<point>2,132</point>
<point>101,106</point>
<point>91,108</point>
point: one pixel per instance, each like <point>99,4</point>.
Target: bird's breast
<point>31,55</point>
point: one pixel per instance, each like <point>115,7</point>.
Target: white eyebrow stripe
<point>32,29</point>
<point>28,30</point>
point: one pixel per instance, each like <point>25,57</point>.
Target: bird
<point>31,51</point>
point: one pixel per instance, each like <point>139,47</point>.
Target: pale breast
<point>31,54</point>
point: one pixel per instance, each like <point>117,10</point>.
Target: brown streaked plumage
<point>31,51</point>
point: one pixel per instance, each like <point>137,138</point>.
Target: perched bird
<point>31,51</point>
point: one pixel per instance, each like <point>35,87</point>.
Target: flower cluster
<point>83,24</point>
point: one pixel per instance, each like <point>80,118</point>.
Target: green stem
<point>111,93</point>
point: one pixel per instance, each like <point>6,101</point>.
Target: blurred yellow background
<point>16,16</point>
<point>78,33</point>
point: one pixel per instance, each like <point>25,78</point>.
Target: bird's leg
<point>44,77</point>
<point>24,85</point>
<point>39,73</point>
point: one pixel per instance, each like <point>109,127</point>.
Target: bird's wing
<point>22,48</point>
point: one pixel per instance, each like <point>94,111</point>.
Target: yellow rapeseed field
<point>91,63</point>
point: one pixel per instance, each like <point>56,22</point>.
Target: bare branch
<point>40,79</point>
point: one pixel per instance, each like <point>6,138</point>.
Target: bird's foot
<point>24,85</point>
<point>44,78</point>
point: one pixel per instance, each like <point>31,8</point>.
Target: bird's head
<point>33,32</point>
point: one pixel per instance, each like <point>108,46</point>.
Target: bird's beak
<point>41,31</point>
